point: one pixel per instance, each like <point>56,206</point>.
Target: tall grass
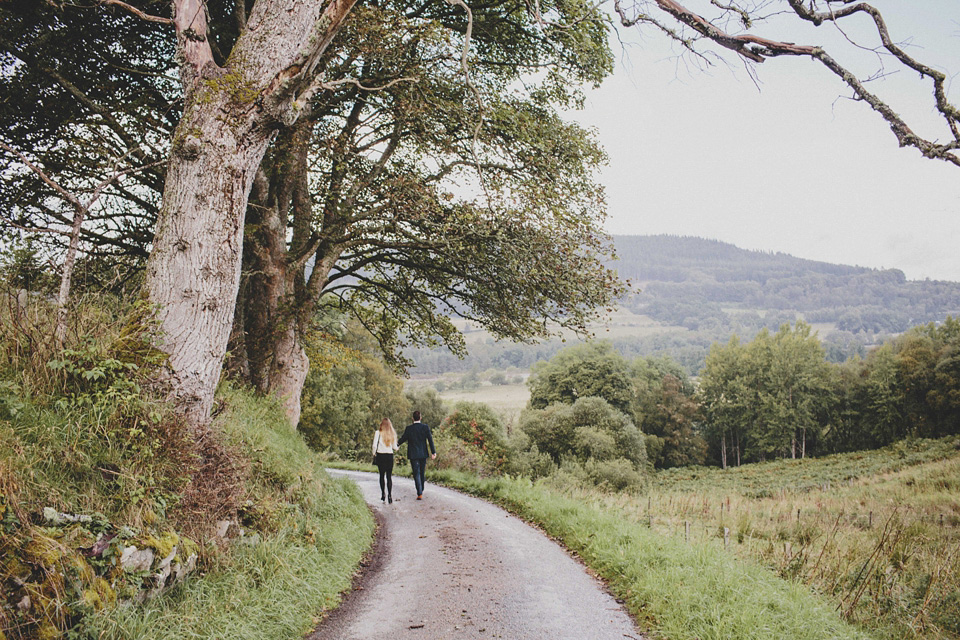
<point>80,432</point>
<point>878,533</point>
<point>676,590</point>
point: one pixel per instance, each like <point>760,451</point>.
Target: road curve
<point>455,567</point>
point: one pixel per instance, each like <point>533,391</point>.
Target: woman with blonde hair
<point>384,444</point>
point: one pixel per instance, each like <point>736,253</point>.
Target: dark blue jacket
<point>417,435</point>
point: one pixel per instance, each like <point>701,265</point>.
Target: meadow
<point>875,532</point>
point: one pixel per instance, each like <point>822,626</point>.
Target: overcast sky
<point>793,166</point>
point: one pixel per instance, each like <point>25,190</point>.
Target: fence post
<point>726,537</point>
<point>788,550</point>
<point>870,521</point>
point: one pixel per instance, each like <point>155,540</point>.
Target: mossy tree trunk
<point>231,114</point>
<point>279,299</point>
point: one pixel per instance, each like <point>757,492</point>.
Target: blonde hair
<point>388,434</point>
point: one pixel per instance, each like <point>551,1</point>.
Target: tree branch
<point>137,12</point>
<point>757,49</point>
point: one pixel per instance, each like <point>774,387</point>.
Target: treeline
<point>598,417</point>
<point>778,397</point>
<point>688,349</point>
<point>773,397</point>
<point>695,282</point>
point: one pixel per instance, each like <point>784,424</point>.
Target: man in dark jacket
<point>417,435</point>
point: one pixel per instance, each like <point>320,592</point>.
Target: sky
<point>787,163</point>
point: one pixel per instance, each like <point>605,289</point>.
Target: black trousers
<point>418,467</point>
<point>384,463</point>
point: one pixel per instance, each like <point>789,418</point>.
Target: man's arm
<point>433,449</point>
<point>403,438</point>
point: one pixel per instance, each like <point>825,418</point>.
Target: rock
<point>133,559</point>
<point>24,603</point>
<point>165,563</point>
<point>251,540</point>
<point>52,516</point>
<point>181,571</point>
<point>227,529</point>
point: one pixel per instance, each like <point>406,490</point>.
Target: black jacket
<point>417,435</point>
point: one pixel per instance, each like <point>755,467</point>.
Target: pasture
<point>876,532</point>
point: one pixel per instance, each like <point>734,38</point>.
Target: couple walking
<point>385,443</point>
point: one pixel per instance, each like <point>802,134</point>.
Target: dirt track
<point>453,566</point>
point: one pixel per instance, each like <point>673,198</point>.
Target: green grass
<point>768,478</point>
<point>675,590</point>
<point>316,531</point>
<point>878,532</point>
<point>306,532</point>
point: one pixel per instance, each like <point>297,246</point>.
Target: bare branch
<point>465,65</point>
<point>319,84</point>
<point>66,195</point>
<point>137,12</point>
<point>80,211</point>
<point>744,15</point>
<point>757,49</point>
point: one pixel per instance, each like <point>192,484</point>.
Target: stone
<point>133,559</point>
<point>165,563</point>
<point>52,516</point>
<point>227,529</point>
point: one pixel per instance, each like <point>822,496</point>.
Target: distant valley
<point>692,292</point>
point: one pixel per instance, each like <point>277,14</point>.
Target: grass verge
<point>675,590</point>
<point>304,532</point>
<point>277,583</point>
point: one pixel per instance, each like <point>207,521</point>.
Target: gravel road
<point>453,566</point>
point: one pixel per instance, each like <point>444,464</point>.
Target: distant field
<point>619,324</point>
<point>507,400</point>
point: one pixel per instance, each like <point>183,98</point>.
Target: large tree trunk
<point>279,300</point>
<point>230,115</point>
<point>279,363</point>
<point>193,274</point>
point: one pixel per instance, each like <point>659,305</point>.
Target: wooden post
<point>788,550</point>
<point>726,537</point>
<point>686,531</point>
<point>870,521</point>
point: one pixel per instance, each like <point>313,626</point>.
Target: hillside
<point>694,292</point>
<point>694,282</point>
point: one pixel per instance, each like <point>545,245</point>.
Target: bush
<point>479,428</point>
<point>617,474</point>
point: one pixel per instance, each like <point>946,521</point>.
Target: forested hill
<point>699,292</point>
<point>679,258</point>
<point>700,283</point>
